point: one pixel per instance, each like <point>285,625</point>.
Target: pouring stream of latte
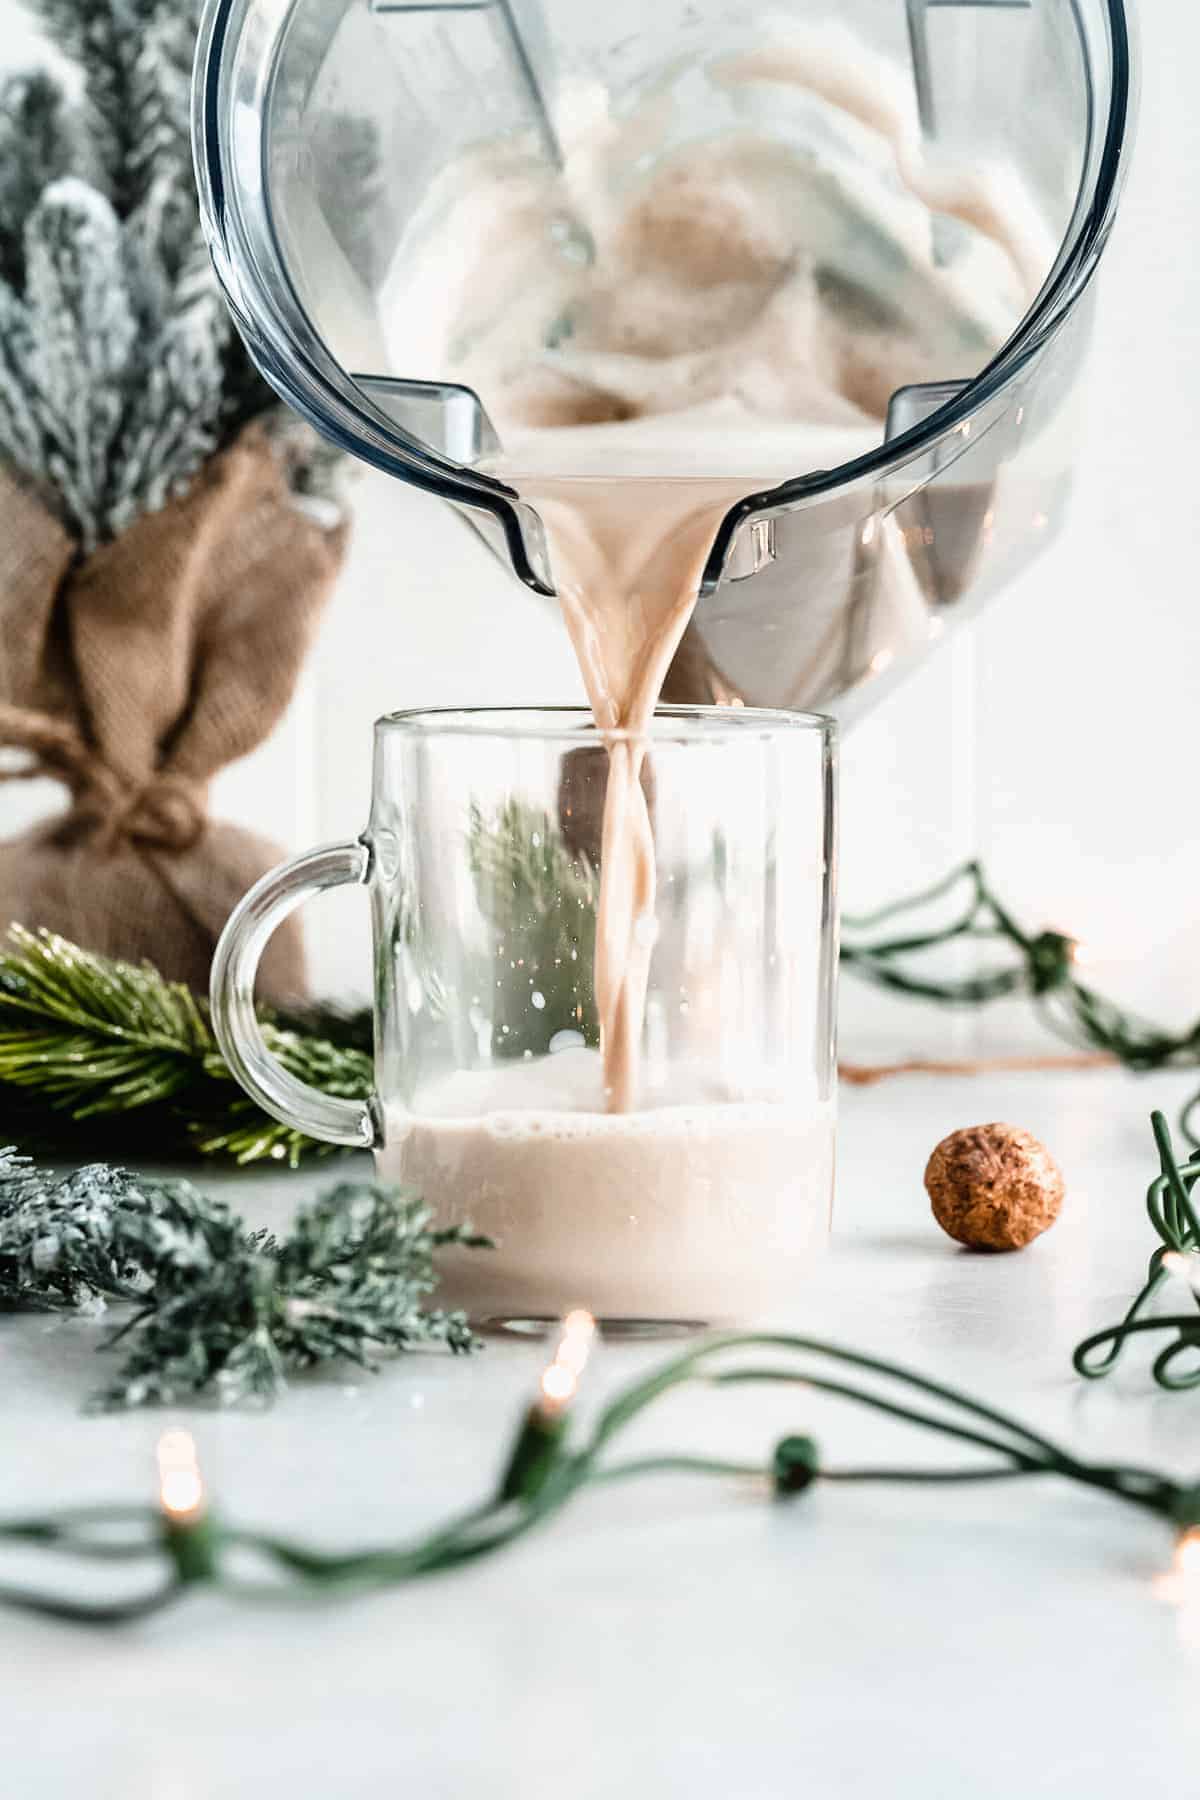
<point>679,318</point>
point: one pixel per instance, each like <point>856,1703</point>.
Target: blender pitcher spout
<point>843,262</point>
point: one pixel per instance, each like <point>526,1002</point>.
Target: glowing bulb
<point>558,1384</point>
<point>1179,1586</point>
<point>1187,1556</point>
<point>1081,955</point>
<point>575,1345</point>
<point>180,1488</point>
<point>561,1378</point>
<point>1185,1267</point>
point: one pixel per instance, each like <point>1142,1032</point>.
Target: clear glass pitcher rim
<point>574,724</point>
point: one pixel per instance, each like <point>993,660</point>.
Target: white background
<point>1058,740</point>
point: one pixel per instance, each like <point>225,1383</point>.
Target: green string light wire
<point>1173,1216</point>
<point>547,1469</point>
<point>1043,968</point>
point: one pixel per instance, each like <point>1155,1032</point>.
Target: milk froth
<point>708,1210</point>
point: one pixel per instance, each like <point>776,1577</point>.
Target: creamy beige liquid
<point>706,1210</point>
<point>627,557</point>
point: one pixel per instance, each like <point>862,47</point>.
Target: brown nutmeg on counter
<point>994,1187</point>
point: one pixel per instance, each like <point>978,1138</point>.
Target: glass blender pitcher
<point>389,187</point>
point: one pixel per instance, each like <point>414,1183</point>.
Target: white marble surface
<point>672,1638</point>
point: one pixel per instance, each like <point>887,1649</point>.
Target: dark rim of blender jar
<point>296,363</point>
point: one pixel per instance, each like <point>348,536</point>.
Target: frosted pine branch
<point>22,432</point>
<point>120,372</point>
<point>81,356</point>
<point>38,143</point>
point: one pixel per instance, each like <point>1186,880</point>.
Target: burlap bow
<point>131,677</point>
<point>166,812</point>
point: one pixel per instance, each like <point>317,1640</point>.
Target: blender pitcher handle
<point>231,993</point>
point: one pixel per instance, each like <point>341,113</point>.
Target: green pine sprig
<point>86,1039</point>
<point>540,899</point>
<point>224,1314</point>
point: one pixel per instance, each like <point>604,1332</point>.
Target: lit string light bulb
<point>1179,1586</point>
<point>539,1442</point>
<point>560,1378</point>
<point>1185,1266</point>
<point>180,1487</point>
<point>1187,1558</point>
<point>187,1528</point>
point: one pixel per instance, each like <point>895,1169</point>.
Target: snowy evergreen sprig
<point>79,1241</point>
<point>120,371</point>
<point>223,1314</point>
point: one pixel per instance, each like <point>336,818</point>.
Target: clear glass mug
<point>708,1198</point>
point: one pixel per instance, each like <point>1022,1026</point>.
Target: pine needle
<point>223,1314</point>
<point>86,1038</point>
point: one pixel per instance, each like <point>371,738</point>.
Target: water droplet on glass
<point>538,1000</point>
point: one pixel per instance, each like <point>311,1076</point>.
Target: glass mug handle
<point>231,994</point>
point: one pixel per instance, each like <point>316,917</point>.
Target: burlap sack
<point>132,676</point>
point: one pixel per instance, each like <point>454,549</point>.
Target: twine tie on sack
<point>164,812</point>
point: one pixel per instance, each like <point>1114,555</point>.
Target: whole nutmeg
<point>994,1187</point>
